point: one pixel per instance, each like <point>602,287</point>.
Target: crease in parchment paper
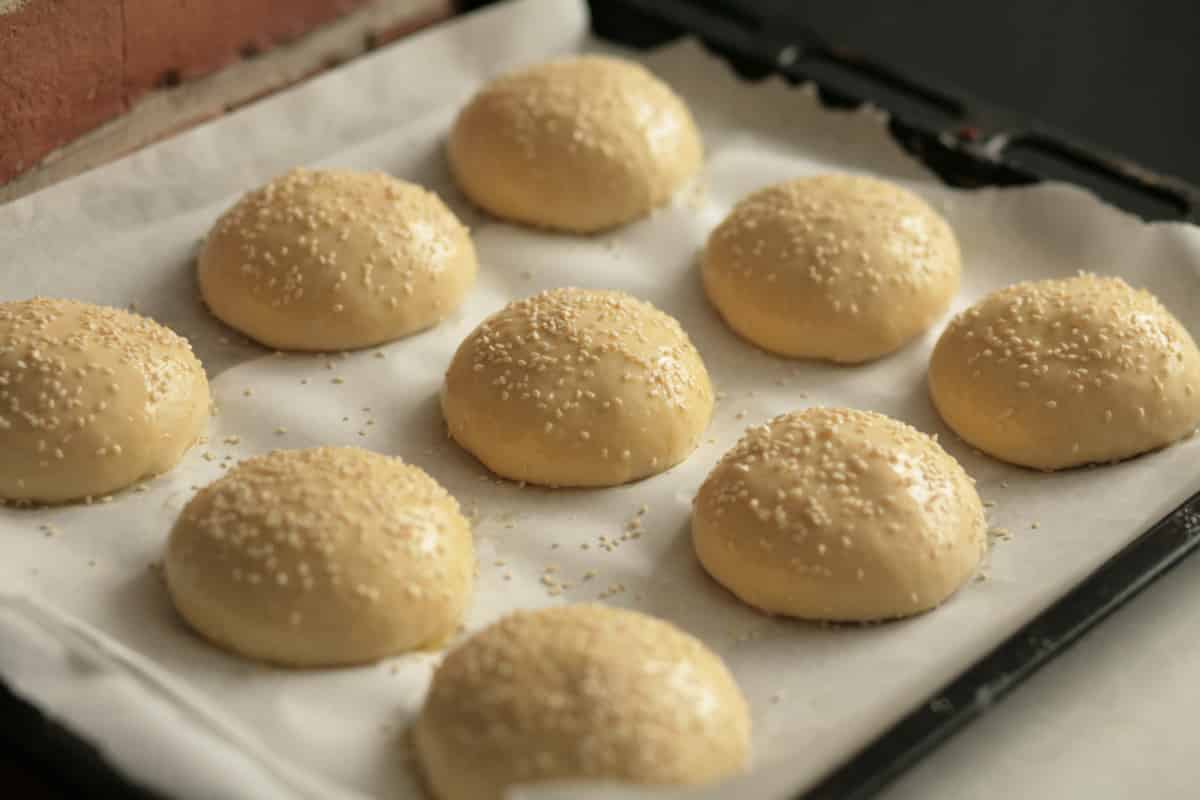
<point>34,635</point>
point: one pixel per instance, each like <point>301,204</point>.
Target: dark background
<point>1120,73</point>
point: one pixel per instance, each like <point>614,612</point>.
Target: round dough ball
<point>1057,373</point>
<point>841,515</point>
<point>844,268</point>
<point>335,260</point>
<point>92,400</point>
<point>580,692</point>
<point>321,557</point>
<point>581,144</point>
<point>578,387</point>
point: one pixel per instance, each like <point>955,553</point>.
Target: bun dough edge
<point>840,515</point>
<point>1060,373</point>
<point>579,145</point>
<point>92,400</point>
<point>323,557</point>
<point>843,268</point>
<point>324,260</point>
<point>575,387</point>
<point>581,691</point>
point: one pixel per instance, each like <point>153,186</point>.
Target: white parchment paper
<point>86,628</point>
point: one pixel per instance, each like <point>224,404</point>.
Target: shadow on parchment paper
<point>914,406</point>
<point>405,778</point>
<point>686,301</point>
<point>734,363</point>
<point>170,295</point>
<point>919,411</point>
<point>423,440</point>
<point>484,496</point>
<point>144,619</point>
<point>423,430</point>
<point>681,592</point>
<point>423,161</point>
<point>726,355</point>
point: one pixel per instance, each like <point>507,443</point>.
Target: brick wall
<point>70,66</point>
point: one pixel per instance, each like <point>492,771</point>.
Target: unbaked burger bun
<point>843,268</point>
<point>580,144</point>
<point>1057,373</point>
<point>840,515</point>
<point>321,557</point>
<point>578,387</point>
<point>332,259</point>
<point>92,400</point>
<point>579,692</point>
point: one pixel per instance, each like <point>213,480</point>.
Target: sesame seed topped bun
<point>841,515</point>
<point>580,144</point>
<point>322,260</point>
<point>92,399</point>
<point>580,692</point>
<point>321,557</point>
<point>843,268</point>
<point>1057,373</point>
<point>576,387</point>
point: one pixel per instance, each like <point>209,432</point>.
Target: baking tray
<point>967,144</point>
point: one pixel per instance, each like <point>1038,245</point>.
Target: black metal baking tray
<point>967,143</point>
